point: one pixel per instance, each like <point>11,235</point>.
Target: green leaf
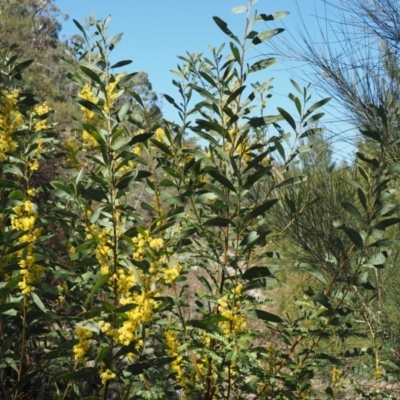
<point>102,354</point>
<point>239,9</point>
<point>354,236</point>
<point>125,308</point>
<point>382,225</point>
<point>6,184</point>
<point>92,130</point>
<point>124,109</point>
<point>10,169</point>
<point>234,95</point>
<point>172,101</point>
<point>313,119</point>
<point>16,195</point>
<point>260,210</point>
<point>287,117</point>
<point>371,132</point>
<point>352,210</point>
<point>213,172</point>
<point>142,137</point>
<point>321,298</point>
<point>394,169</point>
<point>64,188</point>
<point>272,17</point>
<point>121,64</point>
<point>312,270</point>
<point>257,176</point>
<point>262,64</point>
<point>4,308</point>
<point>363,199</point>
<point>297,87</point>
<point>264,316</point>
<point>311,132</point>
<point>20,67</point>
<point>385,195</point>
<point>390,364</point>
<point>386,211</point>
<point>205,93</point>
<point>260,122</point>
<point>214,319</point>
<point>208,327</point>
<point>224,28</point>
<point>92,75</point>
<point>329,391</point>
<point>373,162</point>
<point>91,107</point>
<point>205,136</point>
<point>250,239</point>
<point>256,273</point>
<point>38,302</point>
<point>205,198</point>
<point>354,184</point>
<point>115,40</point>
<point>266,35</point>
<point>80,27</point>
<point>362,280</point>
<point>378,259</point>
<point>386,243</point>
<point>235,52</point>
<point>292,181</point>
<point>219,194</point>
<point>99,284</point>
<point>317,105</point>
<point>208,78</point>
<point>138,368</point>
<point>218,221</point>
<point>162,147</point>
<point>82,374</point>
<point>92,193</point>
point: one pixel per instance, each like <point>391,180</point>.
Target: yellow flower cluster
<point>82,347</point>
<point>31,192</point>
<point>140,247</point>
<point>237,322</point>
<point>156,244</point>
<point>24,219</point>
<point>61,290</point>
<point>11,121</point>
<point>237,290</point>
<point>241,149</point>
<point>141,314</point>
<point>125,280</point>
<point>72,148</point>
<point>337,380</point>
<point>89,116</point>
<point>160,134</point>
<point>378,371</point>
<point>173,351</point>
<point>34,163</point>
<point>141,242</point>
<point>106,375</point>
<point>112,94</point>
<point>156,266</point>
<point>137,149</point>
<point>43,124</point>
<point>171,273</point>
<point>130,165</point>
<point>101,237</point>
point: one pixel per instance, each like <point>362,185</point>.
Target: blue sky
<point>157,31</point>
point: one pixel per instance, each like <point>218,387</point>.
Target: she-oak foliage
<point>133,275</point>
